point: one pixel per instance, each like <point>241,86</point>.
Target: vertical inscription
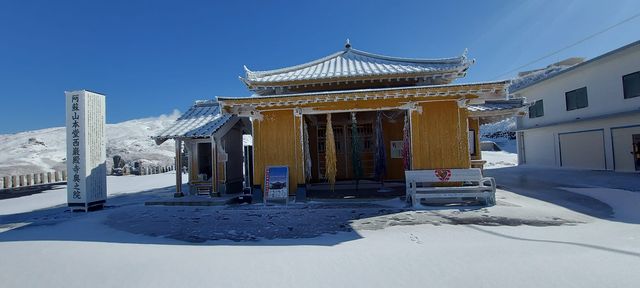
<point>75,143</point>
<point>86,149</point>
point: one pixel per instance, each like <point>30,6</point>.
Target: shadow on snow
<point>544,184</point>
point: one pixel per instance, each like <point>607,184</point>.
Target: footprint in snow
<point>415,239</point>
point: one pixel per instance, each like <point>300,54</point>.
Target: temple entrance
<point>367,186</point>
<point>343,139</point>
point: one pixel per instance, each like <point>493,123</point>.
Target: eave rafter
<point>489,90</point>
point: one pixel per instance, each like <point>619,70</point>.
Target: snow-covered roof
<point>200,121</point>
<point>520,85</point>
<point>496,105</point>
<point>435,90</point>
<point>350,63</point>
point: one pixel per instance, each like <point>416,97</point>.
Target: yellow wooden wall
<point>276,141</point>
<point>474,124</point>
<point>439,136</point>
<point>393,132</point>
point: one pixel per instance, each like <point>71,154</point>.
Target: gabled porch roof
<point>202,120</point>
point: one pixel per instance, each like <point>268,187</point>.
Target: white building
<point>586,116</point>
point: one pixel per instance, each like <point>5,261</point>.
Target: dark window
<point>631,85</point>
<point>577,99</point>
<point>536,109</point>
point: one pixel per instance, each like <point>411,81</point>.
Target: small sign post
<point>86,150</point>
<point>276,183</point>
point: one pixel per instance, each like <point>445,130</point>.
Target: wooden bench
<point>449,184</point>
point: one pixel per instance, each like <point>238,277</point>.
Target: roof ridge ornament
<point>347,45</point>
<point>464,53</point>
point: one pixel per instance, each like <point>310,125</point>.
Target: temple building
<point>354,115</point>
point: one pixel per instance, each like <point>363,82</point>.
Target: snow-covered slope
<point>44,150</point>
<point>501,132</point>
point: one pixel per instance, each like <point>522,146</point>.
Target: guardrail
<point>60,177</point>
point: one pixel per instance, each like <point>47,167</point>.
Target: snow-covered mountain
<point>44,150</point>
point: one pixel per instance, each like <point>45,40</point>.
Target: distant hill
<point>44,150</point>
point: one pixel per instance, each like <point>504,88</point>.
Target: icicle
<point>381,156</point>
<point>307,154</point>
<point>356,162</point>
<point>330,154</point>
<point>406,143</point>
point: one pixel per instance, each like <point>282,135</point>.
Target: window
<point>577,99</point>
<point>536,109</point>
<point>631,85</point>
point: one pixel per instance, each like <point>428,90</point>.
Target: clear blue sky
<point>151,57</point>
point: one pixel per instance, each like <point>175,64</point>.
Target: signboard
<point>86,150</point>
<point>276,183</point>
<point>396,149</point>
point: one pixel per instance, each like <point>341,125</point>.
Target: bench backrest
<point>443,175</point>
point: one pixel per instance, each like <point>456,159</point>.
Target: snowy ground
<point>531,238</point>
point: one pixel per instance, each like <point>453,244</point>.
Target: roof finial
<point>348,44</point>
<point>464,53</point>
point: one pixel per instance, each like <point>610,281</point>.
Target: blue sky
<point>151,57</point>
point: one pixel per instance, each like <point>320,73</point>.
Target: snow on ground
<point>44,150</point>
<point>117,185</point>
<point>499,159</point>
<point>524,241</point>
<point>626,204</point>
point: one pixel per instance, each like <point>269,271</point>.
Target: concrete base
<point>178,194</point>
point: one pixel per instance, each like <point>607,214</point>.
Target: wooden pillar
<point>178,173</point>
<point>214,166</point>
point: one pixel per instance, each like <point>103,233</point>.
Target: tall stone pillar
<point>86,150</point>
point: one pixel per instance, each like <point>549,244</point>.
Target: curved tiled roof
<point>355,63</point>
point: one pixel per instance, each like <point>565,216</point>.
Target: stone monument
<point>86,150</point>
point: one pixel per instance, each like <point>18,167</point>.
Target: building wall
<point>232,144</point>
<point>393,131</point>
<point>275,144</point>
<point>539,142</point>
<point>542,145</point>
<point>439,136</point>
<point>603,79</point>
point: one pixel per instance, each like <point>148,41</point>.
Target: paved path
<point>544,183</point>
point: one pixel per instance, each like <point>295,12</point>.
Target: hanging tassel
<point>406,144</point>
<point>307,153</point>
<point>381,156</point>
<point>330,154</point>
<point>356,162</point>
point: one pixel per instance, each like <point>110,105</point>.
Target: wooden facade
<point>439,127</point>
